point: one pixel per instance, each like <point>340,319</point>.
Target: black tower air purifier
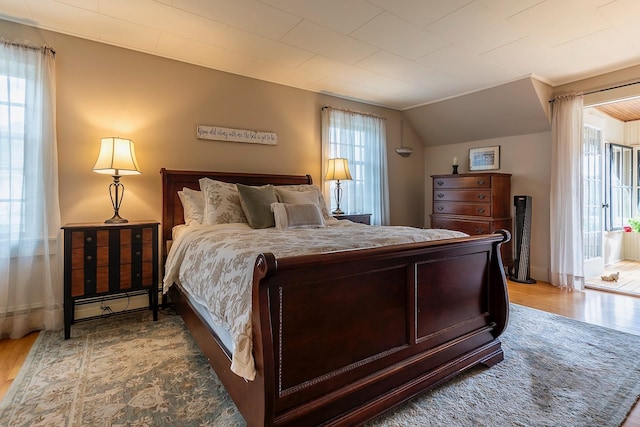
<point>522,240</point>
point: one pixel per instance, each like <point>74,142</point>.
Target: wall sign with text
<point>217,133</point>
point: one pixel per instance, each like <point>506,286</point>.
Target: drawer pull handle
<point>440,182</point>
<point>441,195</point>
<point>89,258</point>
<point>479,231</point>
<point>480,210</point>
<point>88,281</point>
<point>138,253</point>
<point>138,236</point>
<point>89,239</point>
<point>482,196</point>
<point>481,182</point>
<point>440,208</point>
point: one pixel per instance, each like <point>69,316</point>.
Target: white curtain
<point>30,258</point>
<point>361,139</point>
<point>566,193</point>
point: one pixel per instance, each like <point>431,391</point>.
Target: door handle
<point>605,205</point>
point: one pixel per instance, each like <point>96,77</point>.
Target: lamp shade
<point>337,169</point>
<point>117,157</point>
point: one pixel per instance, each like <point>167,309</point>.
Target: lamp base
<point>338,211</point>
<point>116,219</point>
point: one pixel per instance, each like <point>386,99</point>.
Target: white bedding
<point>214,263</point>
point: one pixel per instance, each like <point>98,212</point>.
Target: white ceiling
<point>395,53</point>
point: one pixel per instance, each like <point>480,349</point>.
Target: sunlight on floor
<point>628,281</point>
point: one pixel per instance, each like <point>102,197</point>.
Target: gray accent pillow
<point>256,204</point>
<point>297,216</point>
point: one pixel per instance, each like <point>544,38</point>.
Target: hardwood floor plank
<point>12,355</point>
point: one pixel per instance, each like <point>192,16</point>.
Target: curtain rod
<point>354,111</point>
<point>43,49</point>
<point>603,90</point>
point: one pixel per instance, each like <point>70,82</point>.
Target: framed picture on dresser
<point>484,158</point>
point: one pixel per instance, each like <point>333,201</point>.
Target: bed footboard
<point>340,338</point>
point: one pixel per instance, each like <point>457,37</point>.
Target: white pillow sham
<point>288,216</point>
<point>192,205</point>
<point>221,202</point>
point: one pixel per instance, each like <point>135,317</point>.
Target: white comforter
<point>214,264</point>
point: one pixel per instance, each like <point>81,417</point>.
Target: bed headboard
<point>174,180</point>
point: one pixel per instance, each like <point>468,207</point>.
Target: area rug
<point>129,370</point>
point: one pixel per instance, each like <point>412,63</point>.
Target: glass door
<point>593,208</point>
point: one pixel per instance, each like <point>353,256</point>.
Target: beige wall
<point>527,158</point>
<point>108,91</point>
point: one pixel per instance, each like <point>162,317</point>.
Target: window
<point>361,139</point>
<point>12,125</point>
<point>619,188</point>
<point>30,280</point>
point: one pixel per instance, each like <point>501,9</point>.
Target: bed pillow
<point>303,193</point>
<point>221,202</point>
<point>289,216</point>
<point>256,204</point>
<point>192,205</point>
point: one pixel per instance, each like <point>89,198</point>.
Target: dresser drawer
<point>469,227</point>
<point>461,182</point>
<point>462,195</point>
<point>459,208</point>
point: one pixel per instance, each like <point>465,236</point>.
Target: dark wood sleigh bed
<point>339,338</point>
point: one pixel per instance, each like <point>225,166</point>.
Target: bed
<point>340,337</point>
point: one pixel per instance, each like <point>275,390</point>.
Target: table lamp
<point>117,157</point>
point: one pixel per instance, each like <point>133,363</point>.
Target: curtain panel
<point>361,139</point>
<point>30,249</point>
<point>566,262</point>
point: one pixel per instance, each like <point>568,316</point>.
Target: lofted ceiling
<point>402,54</point>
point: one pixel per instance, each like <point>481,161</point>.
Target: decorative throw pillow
<point>192,205</point>
<point>303,193</point>
<point>221,202</point>
<point>289,216</point>
<point>256,204</point>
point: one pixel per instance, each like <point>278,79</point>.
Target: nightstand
<point>361,218</point>
<point>107,259</point>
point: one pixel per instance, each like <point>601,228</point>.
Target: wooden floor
<point>607,309</point>
<point>628,278</point>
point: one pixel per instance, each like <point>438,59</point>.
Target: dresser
<point>108,259</point>
<point>475,203</point>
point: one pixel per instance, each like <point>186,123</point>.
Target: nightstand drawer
<point>360,218</point>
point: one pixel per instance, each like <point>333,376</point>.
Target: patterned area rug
<point>129,370</point>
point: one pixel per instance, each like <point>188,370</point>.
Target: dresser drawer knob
<point>480,210</point>
<point>89,258</point>
<point>440,195</point>
<point>89,239</point>
<point>482,196</point>
<point>440,182</point>
<point>138,236</point>
<point>440,208</point>
<point>481,182</point>
<point>138,253</point>
<point>88,281</point>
